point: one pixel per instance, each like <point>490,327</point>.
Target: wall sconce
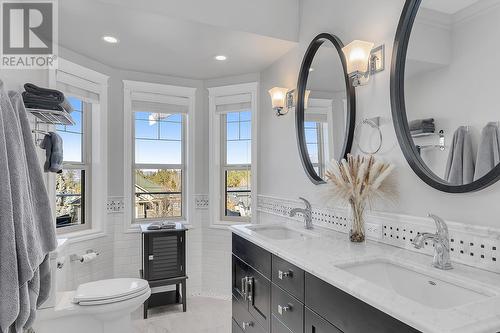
<point>363,60</point>
<point>278,98</point>
<point>283,100</point>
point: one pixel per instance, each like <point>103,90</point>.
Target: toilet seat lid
<point>109,289</point>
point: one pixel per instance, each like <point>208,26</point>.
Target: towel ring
<point>373,123</point>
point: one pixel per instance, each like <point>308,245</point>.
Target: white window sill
<point>82,235</point>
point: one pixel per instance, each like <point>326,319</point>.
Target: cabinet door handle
<point>286,274</point>
<point>250,289</point>
<point>246,325</point>
<point>244,287</point>
<point>284,308</point>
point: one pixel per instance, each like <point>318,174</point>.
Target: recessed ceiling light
<point>220,57</point>
<point>110,39</point>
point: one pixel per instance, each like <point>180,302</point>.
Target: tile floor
<point>204,315</point>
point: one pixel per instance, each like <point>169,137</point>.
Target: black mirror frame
<point>301,89</point>
<point>399,112</point>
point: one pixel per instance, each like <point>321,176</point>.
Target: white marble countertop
<point>322,256</point>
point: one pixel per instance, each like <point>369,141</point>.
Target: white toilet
<point>100,306</point>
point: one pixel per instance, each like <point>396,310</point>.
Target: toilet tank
<point>58,264</point>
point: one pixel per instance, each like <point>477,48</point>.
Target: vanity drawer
<point>287,309</point>
<point>289,277</point>
<point>278,327</point>
<point>244,319</point>
<point>253,255</point>
<point>346,312</point>
<point>316,324</point>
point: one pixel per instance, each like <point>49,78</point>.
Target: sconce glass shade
<point>357,55</point>
<point>278,96</point>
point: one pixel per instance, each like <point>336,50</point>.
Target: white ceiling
<point>183,44</point>
<point>447,6</point>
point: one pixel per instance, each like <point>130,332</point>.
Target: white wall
<point>281,173</point>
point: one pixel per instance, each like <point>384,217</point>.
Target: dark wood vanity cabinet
<point>346,312</point>
<point>315,324</point>
<point>272,295</point>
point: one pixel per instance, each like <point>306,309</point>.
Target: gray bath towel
<point>460,165</point>
<point>26,218</point>
<point>488,153</point>
<point>419,124</point>
<point>53,145</point>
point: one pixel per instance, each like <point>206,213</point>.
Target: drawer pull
<point>246,325</point>
<point>284,308</point>
<point>287,274</point>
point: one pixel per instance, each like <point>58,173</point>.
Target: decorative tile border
<point>470,245</point>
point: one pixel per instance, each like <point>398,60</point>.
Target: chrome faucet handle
<point>307,203</point>
<point>442,228</point>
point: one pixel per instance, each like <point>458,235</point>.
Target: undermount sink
<point>417,286</point>
<point>279,232</point>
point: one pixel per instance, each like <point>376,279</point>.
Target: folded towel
<point>423,131</point>
<point>53,145</point>
<point>26,218</point>
<point>420,123</point>
<point>488,154</point>
<point>50,94</point>
<point>42,98</point>
<point>460,165</point>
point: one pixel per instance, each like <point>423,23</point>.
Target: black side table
<point>164,264</point>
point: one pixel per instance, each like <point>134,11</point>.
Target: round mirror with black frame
<point>326,106</point>
<point>444,92</point>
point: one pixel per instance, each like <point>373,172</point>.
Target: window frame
<point>161,166</point>
<point>87,80</point>
<point>220,96</point>
<point>319,147</point>
<point>142,91</point>
<point>86,166</point>
<point>228,167</point>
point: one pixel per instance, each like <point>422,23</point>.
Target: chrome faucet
<point>441,243</point>
<point>307,212</point>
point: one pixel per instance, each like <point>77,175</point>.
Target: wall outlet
<point>201,201</point>
<point>115,205</point>
<point>373,230</point>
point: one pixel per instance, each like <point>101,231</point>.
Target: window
<point>158,152</point>
<point>159,168</point>
<point>72,184</point>
<point>315,147</point>
<point>233,154</point>
<point>80,192</point>
<point>236,162</point>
